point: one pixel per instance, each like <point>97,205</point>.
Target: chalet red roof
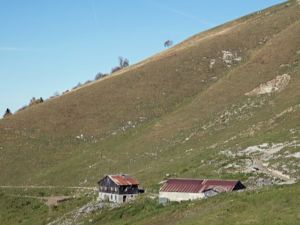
<point>123,180</point>
<point>198,186</point>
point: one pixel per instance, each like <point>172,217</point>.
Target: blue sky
<point>48,46</point>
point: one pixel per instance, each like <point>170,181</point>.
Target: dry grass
<point>148,107</point>
<point>138,121</point>
<point>165,114</point>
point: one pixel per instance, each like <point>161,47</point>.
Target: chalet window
<point>116,189</point>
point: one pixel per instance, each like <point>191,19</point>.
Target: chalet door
<point>124,198</point>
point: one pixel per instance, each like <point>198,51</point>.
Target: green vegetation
<point>280,206</point>
<point>273,205</point>
<point>176,114</point>
<point>25,206</point>
<point>21,210</point>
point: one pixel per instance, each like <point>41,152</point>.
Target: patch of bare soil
<point>55,200</point>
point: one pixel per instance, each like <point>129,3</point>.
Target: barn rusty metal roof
<point>123,180</point>
<point>198,186</point>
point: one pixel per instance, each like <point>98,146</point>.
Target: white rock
<point>212,63</point>
<point>295,155</point>
<point>276,85</point>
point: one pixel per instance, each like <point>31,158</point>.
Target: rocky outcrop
<point>276,85</point>
<point>230,58</point>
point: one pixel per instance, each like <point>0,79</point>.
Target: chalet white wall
<point>115,197</point>
<point>180,196</point>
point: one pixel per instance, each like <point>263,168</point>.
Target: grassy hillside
<point>25,206</point>
<point>280,206</point>
<point>184,112</point>
<point>145,113</point>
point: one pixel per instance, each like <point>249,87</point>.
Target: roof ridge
<point>185,179</point>
<point>203,179</point>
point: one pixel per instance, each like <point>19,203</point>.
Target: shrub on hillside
<point>100,76</point>
<point>87,82</point>
<point>115,69</point>
<point>123,62</point>
<point>35,101</point>
<point>22,108</point>
<point>77,86</point>
<point>65,92</point>
<point>168,43</point>
<point>7,113</point>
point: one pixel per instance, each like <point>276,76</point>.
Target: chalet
<point>191,189</point>
<point>118,188</point>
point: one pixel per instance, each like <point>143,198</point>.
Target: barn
<point>191,189</point>
<point>118,188</point>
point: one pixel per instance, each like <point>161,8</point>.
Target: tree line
<point>123,63</point>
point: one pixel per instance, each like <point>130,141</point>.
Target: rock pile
<point>276,85</point>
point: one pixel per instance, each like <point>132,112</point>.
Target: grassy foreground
<point>273,205</point>
<point>276,205</point>
<point>26,206</point>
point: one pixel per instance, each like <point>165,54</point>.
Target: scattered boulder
<point>230,58</point>
<point>276,85</point>
<point>96,206</point>
<point>212,63</point>
<point>295,155</point>
<point>260,182</point>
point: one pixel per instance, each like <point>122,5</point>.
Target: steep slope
<point>280,204</point>
<point>183,112</point>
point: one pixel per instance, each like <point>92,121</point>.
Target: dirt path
<point>258,164</point>
<point>49,201</point>
<point>45,187</point>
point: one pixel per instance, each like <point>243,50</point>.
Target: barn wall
<point>180,196</point>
